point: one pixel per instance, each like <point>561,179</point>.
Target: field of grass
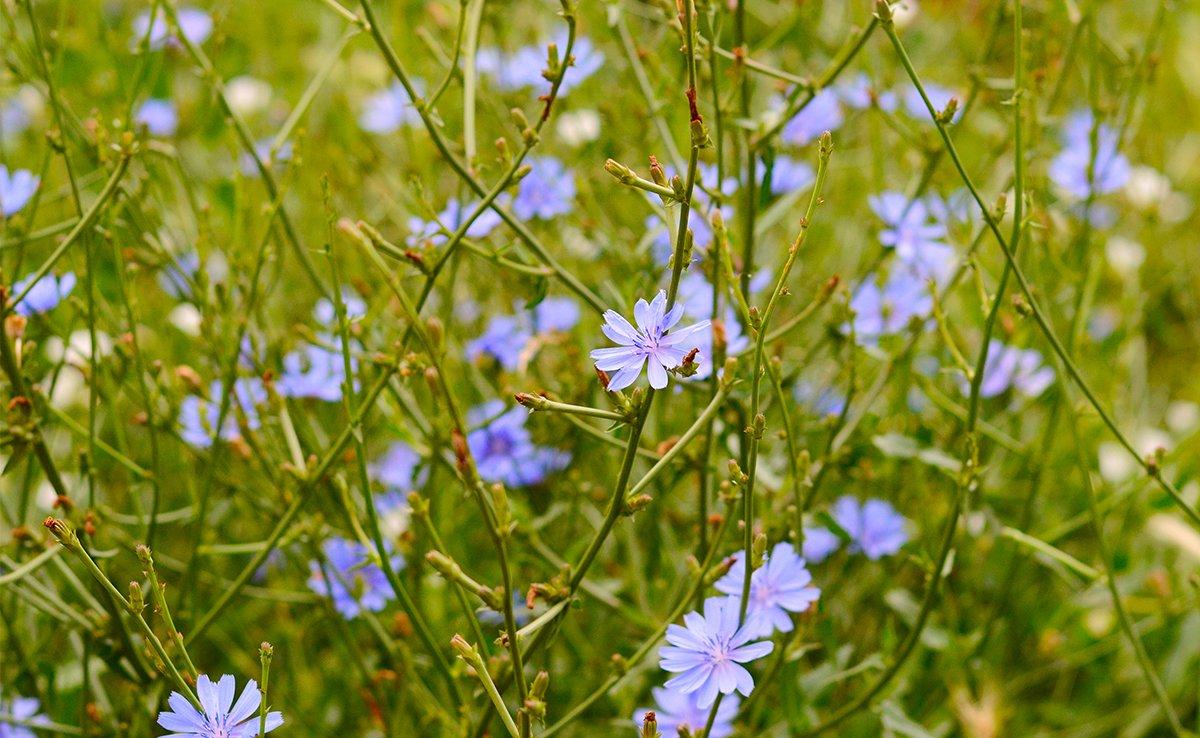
<point>688,368</point>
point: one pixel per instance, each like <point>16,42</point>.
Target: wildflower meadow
<point>680,368</point>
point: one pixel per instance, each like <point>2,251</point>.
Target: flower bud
<point>137,602</point>
<point>649,725</point>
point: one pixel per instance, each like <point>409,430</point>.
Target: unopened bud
<point>63,533</point>
<point>649,725</point>
<point>636,503</point>
<point>531,401</point>
<point>137,602</point>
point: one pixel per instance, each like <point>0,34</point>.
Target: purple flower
<point>262,150</point>
<point>159,116</point>
<point>16,189</point>
<point>781,585</point>
<point>197,416</point>
<point>887,309</point>
<point>1008,366</point>
<point>875,528</point>
<point>451,217</point>
<point>24,709</point>
<point>316,371</point>
<point>649,344</point>
<point>677,710</point>
<point>350,579</point>
<point>790,175</point>
<point>914,235</point>
<point>387,111</point>
<point>505,452</point>
<point>823,113</point>
<point>709,652</point>
<point>325,311</point>
<point>548,190</point>
<point>45,295</point>
<point>507,338</point>
<point>195,24</point>
<point>708,179</point>
<point>1069,170</point>
<point>219,716</point>
<point>859,93</point>
<point>938,95</point>
<point>400,468</point>
<point>819,544</point>
<point>523,67</point>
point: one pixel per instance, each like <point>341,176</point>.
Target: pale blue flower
<point>859,93</point>
<point>824,401</point>
<point>325,312</point>
<point>198,416</point>
<point>708,179</point>
<point>881,310</point>
<point>451,218</point>
<point>548,190</point>
<point>819,544</point>
<point>938,95</point>
<point>350,579</point>
<point>388,110</point>
<point>400,468</point>
<point>195,24</point>
<point>24,709</point>
<point>14,117</point>
<point>16,189</point>
<point>524,67</point>
<point>159,116</point>
<point>505,452</point>
<point>790,175</point>
<point>709,652</point>
<point>219,716</point>
<point>316,371</point>
<point>875,528</point>
<point>780,586</point>
<point>914,235</point>
<point>1069,170</point>
<point>1009,366</point>
<point>650,344</point>
<point>677,710</point>
<point>696,296</point>
<point>177,278</point>
<point>45,295</point>
<point>262,150</point>
<point>823,113</point>
<point>507,337</point>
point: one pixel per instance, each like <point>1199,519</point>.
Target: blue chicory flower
<point>886,309</point>
<point>159,116</point>
<point>16,189</point>
<point>875,528</point>
<point>523,67</point>
<point>859,93</point>
<point>262,149</point>
<point>196,26</point>
<point>522,613</point>
<point>507,338</point>
<point>14,118</point>
<point>823,113</point>
<point>548,190</point>
<point>24,709</point>
<point>389,110</point>
<point>780,586</point>
<point>219,716</point>
<point>677,710</point>
<point>823,401</point>
<point>177,277</point>
<point>708,651</point>
<point>819,544</point>
<point>316,370</point>
<point>325,312</point>
<point>790,175</point>
<point>1020,369</point>
<point>1109,168</point>
<point>938,95</point>
<point>650,344</point>
<point>503,449</point>
<point>914,235</point>
<point>350,579</point>
<point>198,416</point>
<point>45,295</point>
<point>451,217</point>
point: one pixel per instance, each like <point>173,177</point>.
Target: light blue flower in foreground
<point>219,716</point>
<point>198,416</point>
<point>350,579</point>
<point>24,709</point>
<point>650,344</point>
<point>823,113</point>
<point>875,528</point>
<point>677,710</point>
<point>503,449</point>
<point>195,24</point>
<point>790,175</point>
<point>159,116</point>
<point>819,544</point>
<point>708,651</point>
<point>1109,168</point>
<point>316,370</point>
<point>915,236</point>
<point>938,95</point>
<point>881,310</point>
<point>780,586</point>
<point>16,188</point>
<point>388,110</point>
<point>548,190</point>
<point>46,294</point>
<point>1009,366</point>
